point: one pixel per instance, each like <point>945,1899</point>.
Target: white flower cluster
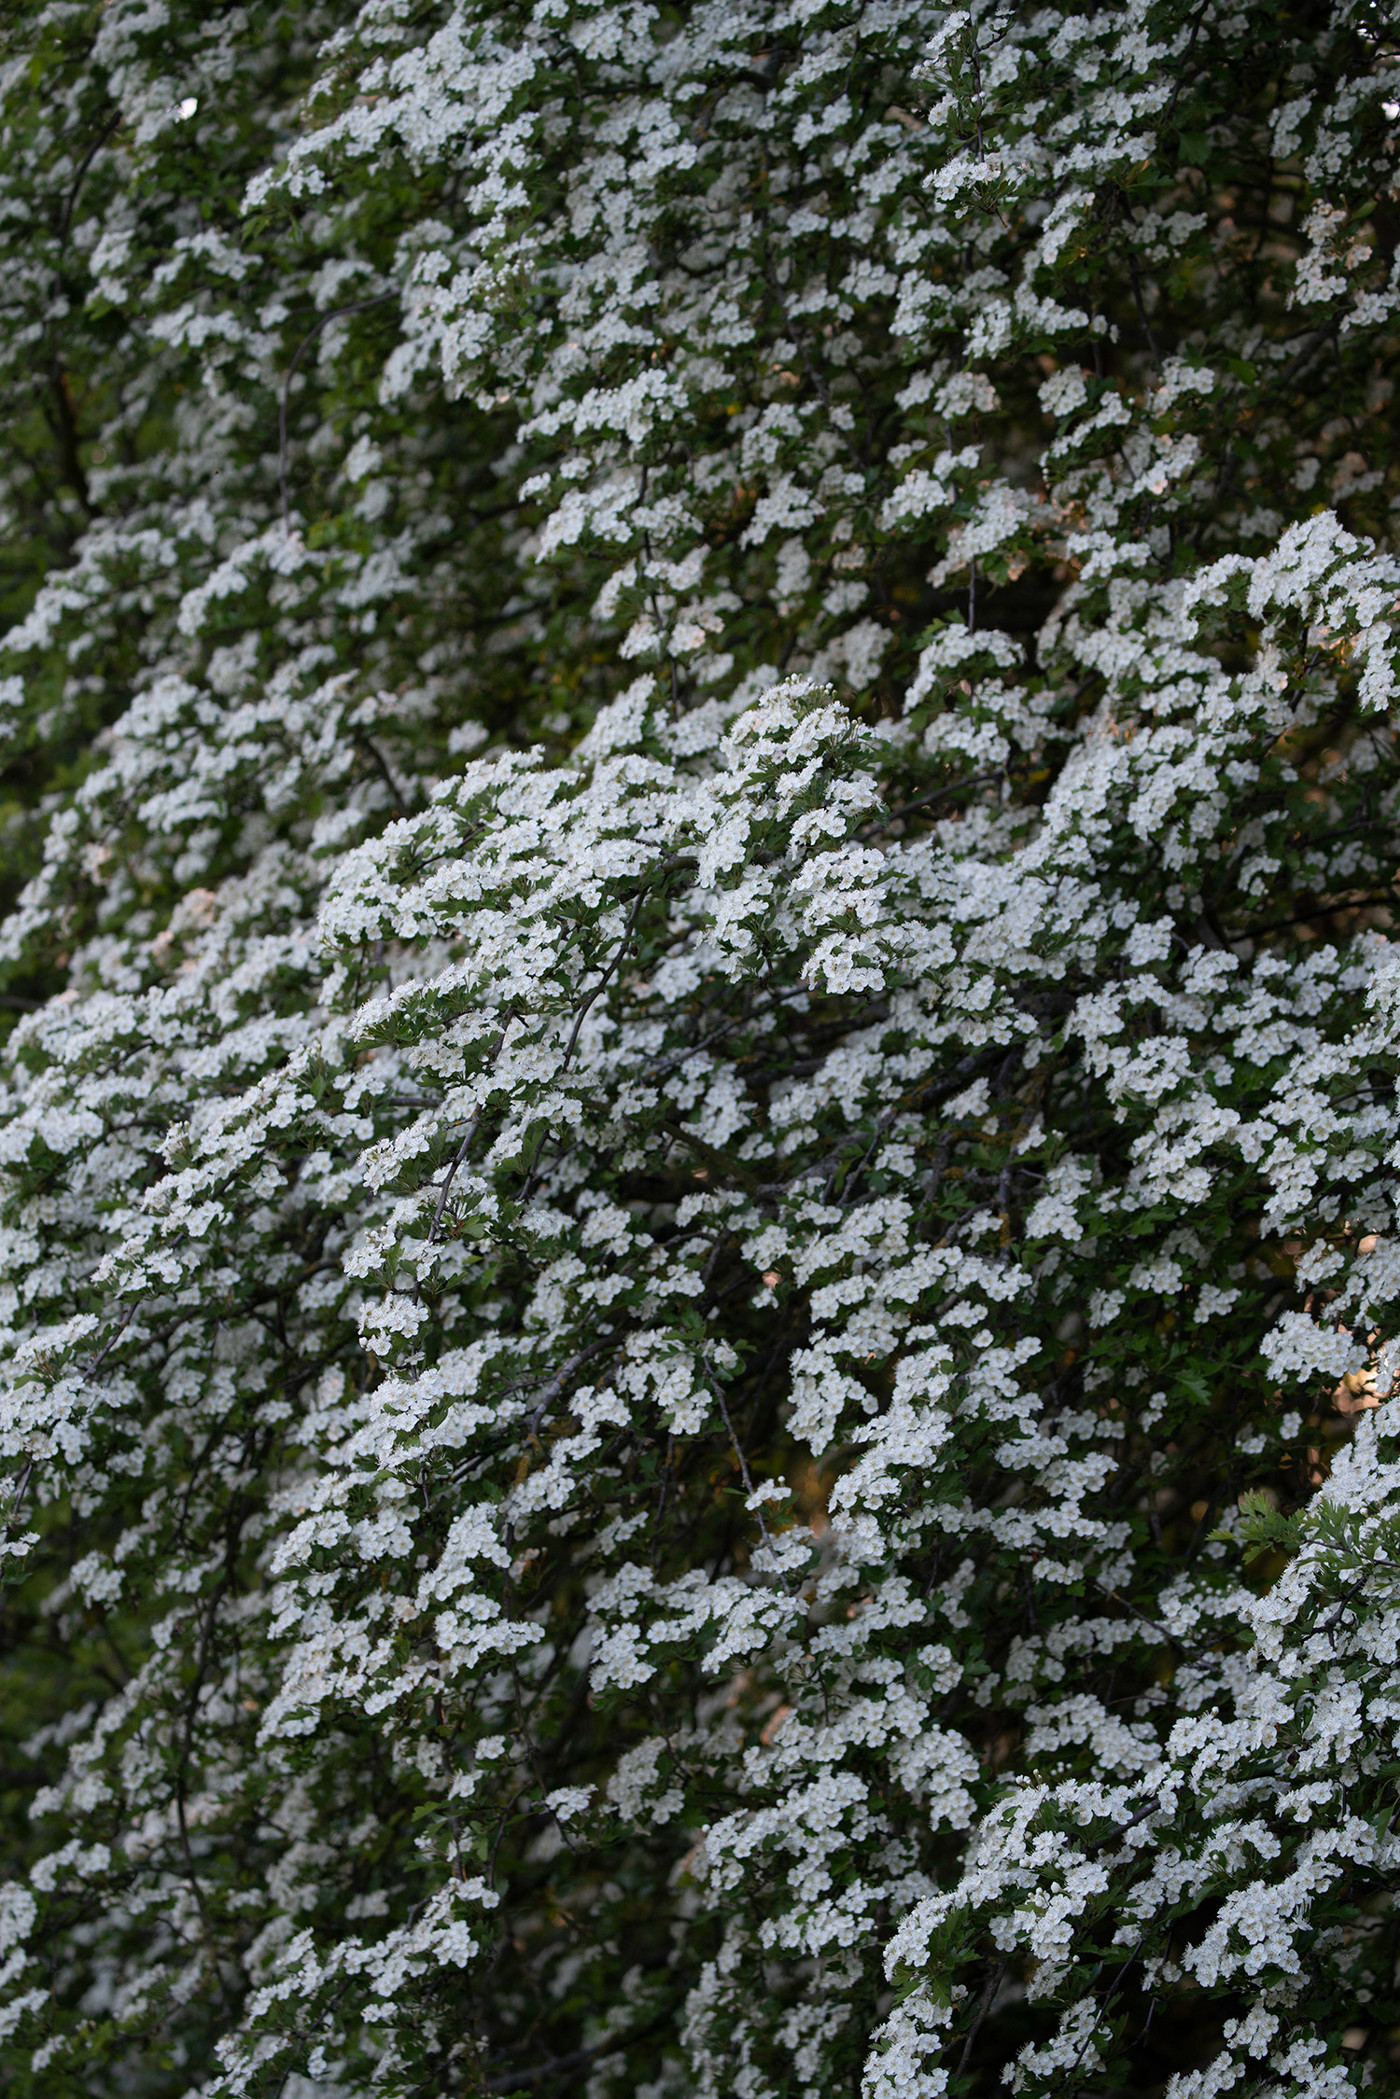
<point>699,1153</point>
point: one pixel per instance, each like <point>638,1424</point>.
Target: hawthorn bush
<point>699,1156</point>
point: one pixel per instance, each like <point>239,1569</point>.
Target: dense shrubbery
<point>699,1150</point>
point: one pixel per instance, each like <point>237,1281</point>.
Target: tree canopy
<point>699,1149</point>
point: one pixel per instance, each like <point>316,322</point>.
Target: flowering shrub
<point>699,1143</point>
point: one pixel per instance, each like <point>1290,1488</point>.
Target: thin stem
<point>336,313</point>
